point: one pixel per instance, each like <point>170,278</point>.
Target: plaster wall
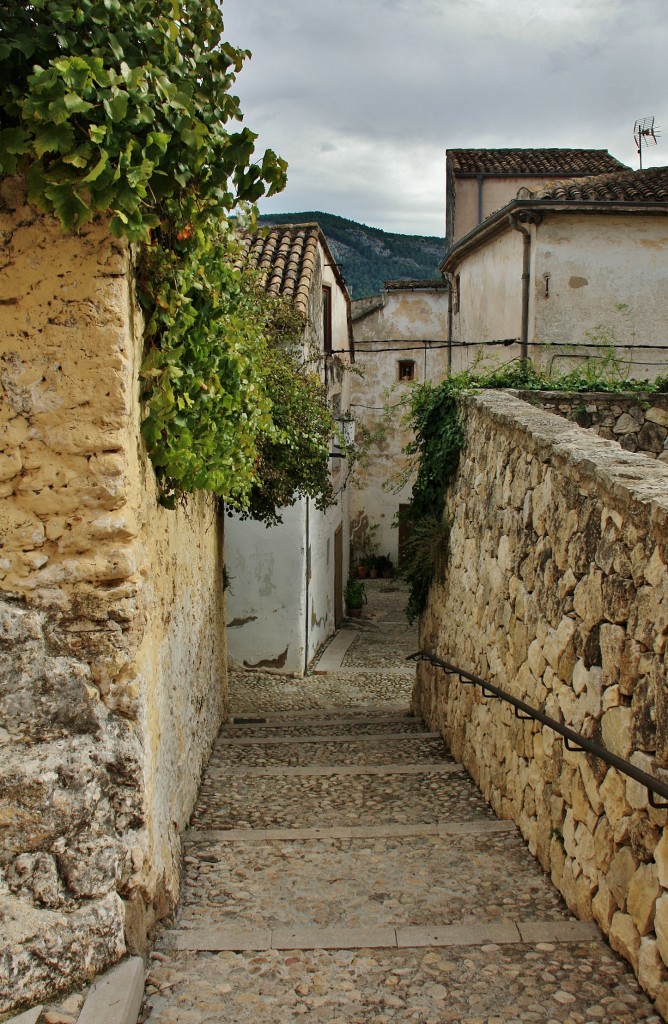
<point>603,279</point>
<point>489,309</point>
<point>266,602</point>
<point>112,651</point>
<point>280,607</point>
<point>496,193</point>
<point>412,325</point>
<point>557,591</point>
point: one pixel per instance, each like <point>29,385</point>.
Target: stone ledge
<point>116,997</point>
<point>475,933</point>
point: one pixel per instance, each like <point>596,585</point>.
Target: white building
<point>286,591</point>
<point>565,269</point>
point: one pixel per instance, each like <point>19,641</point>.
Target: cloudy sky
<point>362,97</point>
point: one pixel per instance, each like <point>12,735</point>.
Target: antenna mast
<point>644,134</point>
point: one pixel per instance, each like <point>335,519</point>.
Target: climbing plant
<point>434,413</point>
<point>122,108</point>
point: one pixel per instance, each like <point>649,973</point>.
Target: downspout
<point>518,222</point>
<point>307,581</point>
<point>450,314</point>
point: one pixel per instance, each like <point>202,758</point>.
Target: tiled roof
<point>286,257</point>
<point>566,163</point>
<point>649,186</point>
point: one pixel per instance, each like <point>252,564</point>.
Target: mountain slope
<point>369,256</point>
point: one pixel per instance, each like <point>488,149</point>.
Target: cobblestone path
<point>341,868</point>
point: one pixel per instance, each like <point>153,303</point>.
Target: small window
<point>406,369</point>
<point>458,295</point>
<point>327,318</point>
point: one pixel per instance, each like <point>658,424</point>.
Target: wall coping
<point>625,476</point>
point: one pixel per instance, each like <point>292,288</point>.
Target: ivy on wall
<point>434,413</point>
<point>122,108</point>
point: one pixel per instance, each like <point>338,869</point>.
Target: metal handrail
<point>572,740</point>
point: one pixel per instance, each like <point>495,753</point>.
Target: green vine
<point>120,108</point>
<point>434,413</point>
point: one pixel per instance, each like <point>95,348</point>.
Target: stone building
<point>286,592</point>
<point>563,270</point>
<point>400,339</point>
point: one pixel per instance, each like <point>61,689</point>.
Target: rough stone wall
<point>639,422</point>
<point>557,591</point>
<point>112,660</point>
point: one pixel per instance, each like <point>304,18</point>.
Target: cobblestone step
<point>354,883</point>
<point>346,689</point>
<point>324,727</point>
<point>487,983</point>
<point>329,751</point>
<point>318,800</point>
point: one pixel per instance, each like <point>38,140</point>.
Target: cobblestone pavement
<point>341,868</point>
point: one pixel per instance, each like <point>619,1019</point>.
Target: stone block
<point>622,869</point>
<point>644,890</point>
<point>661,926</point>
<point>661,860</point>
<point>617,728</point>
<point>613,794</point>
<point>651,971</point>
<point>612,639</point>
<point>604,906</point>
<point>624,938</point>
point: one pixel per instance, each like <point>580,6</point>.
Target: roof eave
<point>499,221</point>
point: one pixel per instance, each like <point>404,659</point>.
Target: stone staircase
<point>341,867</point>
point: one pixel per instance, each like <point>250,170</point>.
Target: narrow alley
<point>341,867</point>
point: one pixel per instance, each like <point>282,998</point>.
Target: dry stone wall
<point>557,591</point>
<point>112,649</point>
<point>638,422</point>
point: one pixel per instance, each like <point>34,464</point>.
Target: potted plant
<point>372,565</point>
<point>385,566</point>
<point>354,597</point>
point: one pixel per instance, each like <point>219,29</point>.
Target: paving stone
<point>352,874</point>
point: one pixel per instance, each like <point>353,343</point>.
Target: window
<point>458,294</point>
<point>406,369</point>
<point>327,318</point>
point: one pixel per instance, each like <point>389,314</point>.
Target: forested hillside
<point>369,256</point>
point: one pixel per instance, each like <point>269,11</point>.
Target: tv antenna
<point>644,134</point>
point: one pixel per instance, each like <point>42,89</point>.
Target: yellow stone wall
<point>557,591</point>
<point>112,642</point>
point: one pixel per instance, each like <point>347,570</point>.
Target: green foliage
<point>370,256</point>
<point>434,414</point>
<point>116,107</point>
<point>120,108</point>
<point>355,593</point>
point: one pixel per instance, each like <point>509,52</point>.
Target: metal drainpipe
<point>450,322</point>
<point>308,580</point>
<point>526,277</point>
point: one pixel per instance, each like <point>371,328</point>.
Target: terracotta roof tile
<point>649,186</point>
<point>286,257</point>
<point>568,163</point>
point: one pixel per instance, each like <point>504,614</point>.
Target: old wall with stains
<point>112,660</point>
<point>409,327</point>
<point>557,591</point>
<point>602,279</point>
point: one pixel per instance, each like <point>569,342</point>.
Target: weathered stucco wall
<point>557,591</point>
<point>602,278</point>
<point>487,304</point>
<point>112,660</point>
<point>411,325</point>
